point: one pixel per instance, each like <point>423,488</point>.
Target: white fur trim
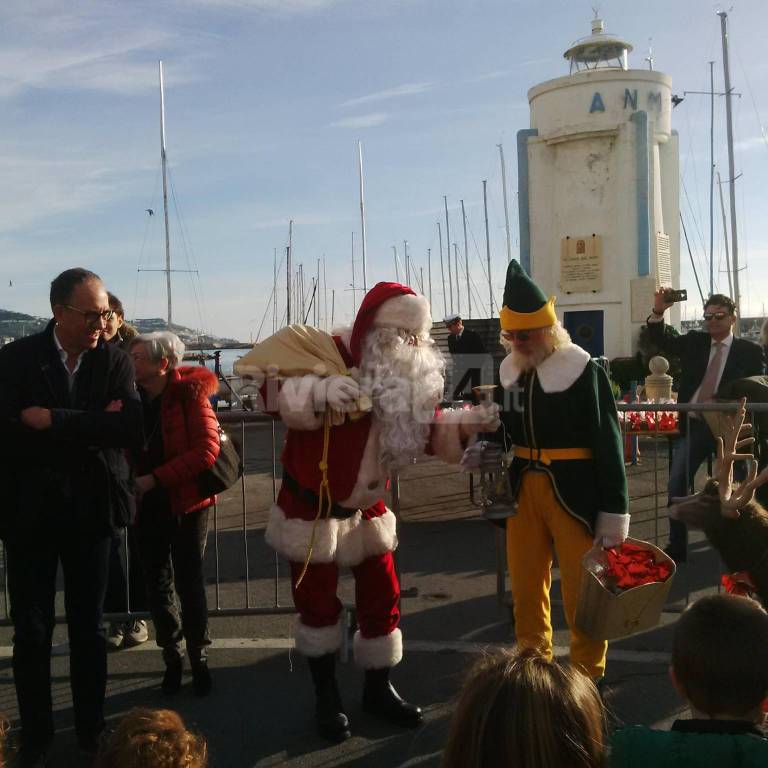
<point>406,311</point>
<point>316,641</point>
<point>446,435</point>
<point>561,369</point>
<point>347,542</point>
<point>378,652</point>
<point>296,403</point>
<point>556,374</point>
<point>612,525</point>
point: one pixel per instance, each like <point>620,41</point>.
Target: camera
<point>676,295</point>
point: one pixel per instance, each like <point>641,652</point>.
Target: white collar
<point>64,355</point>
<point>556,374</point>
<point>727,342</point>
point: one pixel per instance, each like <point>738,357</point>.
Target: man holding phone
<point>708,359</point>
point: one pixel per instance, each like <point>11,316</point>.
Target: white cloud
<point>362,121</point>
<point>753,142</point>
<point>274,6</point>
<point>407,89</point>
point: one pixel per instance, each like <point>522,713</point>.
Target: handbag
<point>224,472</point>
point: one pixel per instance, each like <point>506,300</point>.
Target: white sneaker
<point>115,636</point>
<point>136,632</point>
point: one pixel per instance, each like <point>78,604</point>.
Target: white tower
<point>598,183</point>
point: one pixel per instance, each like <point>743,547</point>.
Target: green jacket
<point>641,747</point>
<point>567,402</point>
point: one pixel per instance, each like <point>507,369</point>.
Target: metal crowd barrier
<point>239,424</point>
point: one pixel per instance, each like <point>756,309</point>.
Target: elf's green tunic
<point>567,402</point>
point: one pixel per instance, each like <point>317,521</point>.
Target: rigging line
<point>190,261</point>
<point>693,217</point>
<point>266,311</point>
<point>693,137</point>
<point>472,286</point>
<point>690,254</point>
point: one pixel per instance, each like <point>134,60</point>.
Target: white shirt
<point>63,355</point>
<point>726,342</point>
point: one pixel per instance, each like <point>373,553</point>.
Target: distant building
<point>598,184</point>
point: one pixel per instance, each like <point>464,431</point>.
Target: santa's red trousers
<point>377,595</point>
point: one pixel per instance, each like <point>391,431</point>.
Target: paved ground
<point>260,713</point>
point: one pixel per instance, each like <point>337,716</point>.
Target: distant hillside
<point>17,324</point>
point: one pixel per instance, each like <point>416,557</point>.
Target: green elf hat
<point>525,304</point>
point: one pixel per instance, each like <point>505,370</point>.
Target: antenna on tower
<point>649,57</point>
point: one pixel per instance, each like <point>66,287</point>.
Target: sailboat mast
<point>725,234</point>
<point>506,207</point>
<point>466,258</point>
<point>456,271</point>
<point>362,214</point>
<point>448,248</point>
<point>429,274</point>
<point>731,171</point>
<point>442,267</point>
<point>488,246</point>
<point>288,273</point>
<point>163,162</point>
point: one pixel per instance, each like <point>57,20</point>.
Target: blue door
<point>586,329</point>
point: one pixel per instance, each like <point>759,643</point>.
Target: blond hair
<point>517,708</point>
<point>153,738</point>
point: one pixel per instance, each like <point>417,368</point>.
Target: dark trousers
<point>32,562</point>
<point>172,549</point>
<point>125,589</point>
<point>690,452</point>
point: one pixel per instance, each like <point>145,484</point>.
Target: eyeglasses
<point>520,335</point>
<point>715,315</point>
<point>92,318</point>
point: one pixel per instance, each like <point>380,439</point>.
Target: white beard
<point>405,383</point>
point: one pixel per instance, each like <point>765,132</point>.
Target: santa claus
<point>346,432</point>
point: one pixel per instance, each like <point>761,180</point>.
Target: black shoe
<point>381,699</point>
<point>202,683</point>
<point>89,745</point>
<point>30,757</point>
<point>330,718</point>
<point>173,669</point>
<point>677,553</point>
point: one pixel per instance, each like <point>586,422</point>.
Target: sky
<point>265,103</point>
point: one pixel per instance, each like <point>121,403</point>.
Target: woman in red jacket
<point>181,439</point>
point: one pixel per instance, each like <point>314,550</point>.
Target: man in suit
<point>707,359</point>
<point>68,406</point>
<point>462,344</point>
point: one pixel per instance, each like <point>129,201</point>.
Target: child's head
<point>720,656</point>
<point>517,708</point>
<point>153,738</point>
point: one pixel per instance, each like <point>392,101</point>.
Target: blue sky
<point>265,103</point>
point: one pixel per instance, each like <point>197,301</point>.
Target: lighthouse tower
<point>598,184</point>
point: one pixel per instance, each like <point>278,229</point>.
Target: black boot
<point>332,722</point>
<point>173,669</point>
<point>202,682</point>
<point>381,699</point>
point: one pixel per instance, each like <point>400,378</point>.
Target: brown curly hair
<point>153,738</point>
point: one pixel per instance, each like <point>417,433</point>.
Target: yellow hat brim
<point>525,321</point>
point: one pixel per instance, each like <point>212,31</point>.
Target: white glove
<point>611,529</point>
<point>480,418</point>
<point>341,393</point>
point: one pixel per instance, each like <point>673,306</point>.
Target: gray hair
<point>161,344</point>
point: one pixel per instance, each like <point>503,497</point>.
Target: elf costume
<point>567,473</point>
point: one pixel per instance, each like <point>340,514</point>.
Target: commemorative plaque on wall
<point>581,264</point>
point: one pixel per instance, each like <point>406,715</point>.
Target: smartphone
<point>673,295</point>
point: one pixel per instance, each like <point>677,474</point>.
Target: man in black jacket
<point>465,347</point>
<point>707,360</point>
<point>68,405</point>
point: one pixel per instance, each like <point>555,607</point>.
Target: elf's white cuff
<point>611,528</point>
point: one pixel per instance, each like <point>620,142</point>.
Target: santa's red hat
<point>389,305</point>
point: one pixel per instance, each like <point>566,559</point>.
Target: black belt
<point>311,498</point>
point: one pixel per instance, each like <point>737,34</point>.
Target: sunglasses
<point>520,335</point>
<point>92,318</point>
<point>715,315</point>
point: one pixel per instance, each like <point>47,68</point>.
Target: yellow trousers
<point>540,523</point>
